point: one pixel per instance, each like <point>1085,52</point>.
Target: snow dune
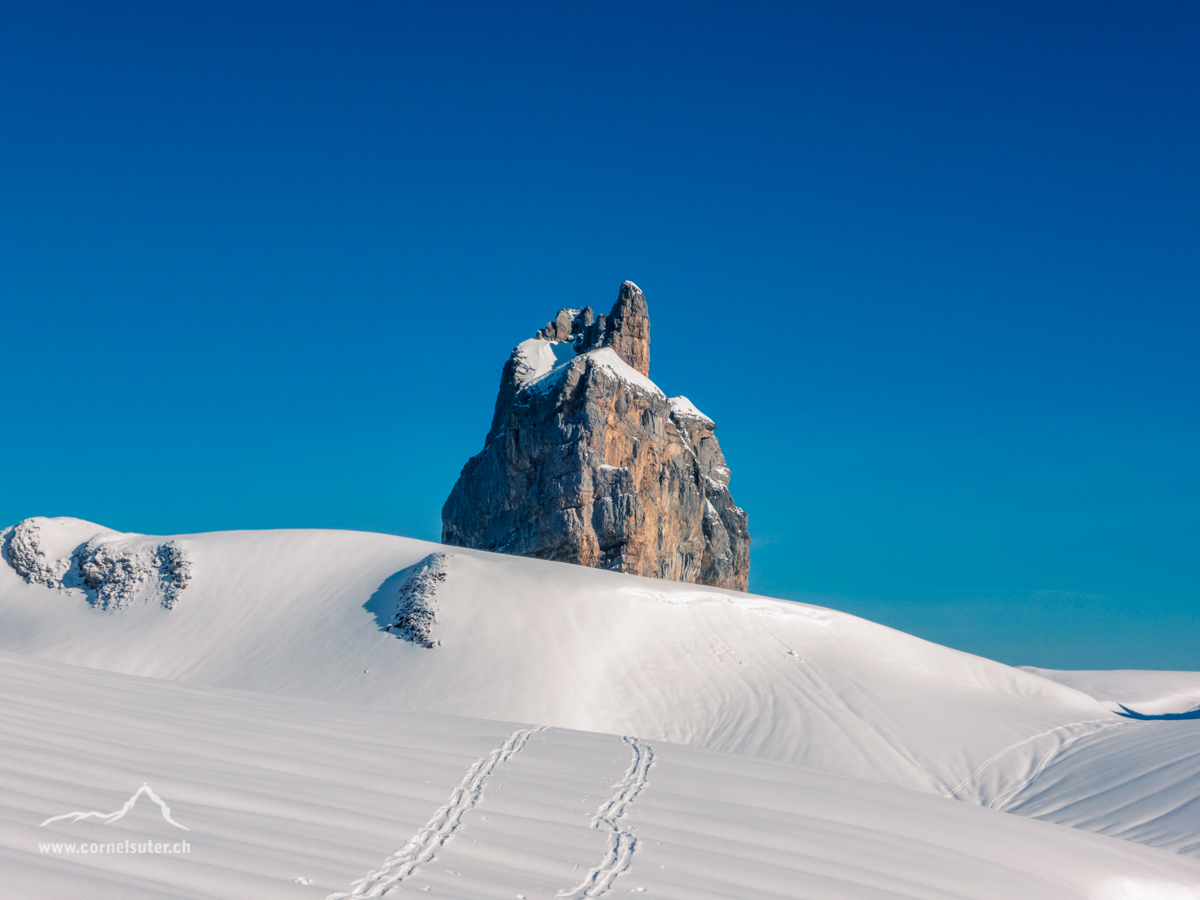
<point>1139,781</point>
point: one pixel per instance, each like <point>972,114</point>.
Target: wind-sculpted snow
<point>113,570</point>
<point>291,798</point>
<point>996,781</point>
<point>303,614</point>
<point>1135,694</point>
<point>1138,780</point>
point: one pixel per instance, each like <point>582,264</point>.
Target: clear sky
<point>934,269</point>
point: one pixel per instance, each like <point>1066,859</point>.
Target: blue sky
<point>934,269</point>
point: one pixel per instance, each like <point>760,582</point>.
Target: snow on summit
<point>329,712</point>
<point>587,462</point>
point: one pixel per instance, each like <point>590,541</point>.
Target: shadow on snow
<point>1130,714</point>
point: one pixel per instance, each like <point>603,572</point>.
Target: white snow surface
<point>291,798</point>
<point>786,750</point>
<point>546,366</point>
<point>607,358</point>
<point>1138,780</point>
<point>684,407</point>
<point>1146,692</point>
<point>535,358</point>
<point>294,613</point>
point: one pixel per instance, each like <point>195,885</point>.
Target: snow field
<point>555,731</point>
<point>275,789</point>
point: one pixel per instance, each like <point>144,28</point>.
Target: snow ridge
<point>424,845</point>
<point>683,407</point>
<point>621,842</point>
<point>973,789</point>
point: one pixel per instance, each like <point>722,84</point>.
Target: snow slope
<point>814,703</point>
<point>1140,692</point>
<point>302,613</point>
<point>293,798</point>
<point>1138,780</point>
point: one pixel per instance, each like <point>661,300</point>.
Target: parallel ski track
<point>1100,724</point>
<point>445,822</point>
<point>621,842</point>
<point>1003,799</point>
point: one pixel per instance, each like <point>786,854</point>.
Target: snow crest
<point>682,406</point>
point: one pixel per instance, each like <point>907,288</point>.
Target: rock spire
<point>587,461</point>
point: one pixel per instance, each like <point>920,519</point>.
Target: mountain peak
<point>587,461</point>
<point>626,328</point>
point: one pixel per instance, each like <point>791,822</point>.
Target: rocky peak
<point>626,329</point>
<point>577,326</point>
<point>587,461</point>
<point>629,327</point>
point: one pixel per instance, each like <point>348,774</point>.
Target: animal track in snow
<point>621,842</point>
<point>445,822</point>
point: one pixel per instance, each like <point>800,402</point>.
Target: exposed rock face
<point>113,570</point>
<point>587,461</point>
<point>116,574</point>
<point>629,328</point>
<point>416,606</point>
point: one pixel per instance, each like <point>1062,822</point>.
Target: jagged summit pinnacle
<point>629,327</point>
<point>626,328</point>
<point>587,461</point>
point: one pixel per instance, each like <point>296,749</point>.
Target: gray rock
<point>629,327</point>
<point>116,574</point>
<point>416,605</point>
<point>114,570</point>
<point>587,461</point>
<point>22,547</point>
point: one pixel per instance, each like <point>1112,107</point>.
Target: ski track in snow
<point>1003,799</point>
<point>1009,794</point>
<point>621,842</point>
<point>445,822</point>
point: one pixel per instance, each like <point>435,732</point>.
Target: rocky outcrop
<point>113,570</point>
<point>415,616</point>
<point>22,545</point>
<point>587,461</point>
<point>116,574</point>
